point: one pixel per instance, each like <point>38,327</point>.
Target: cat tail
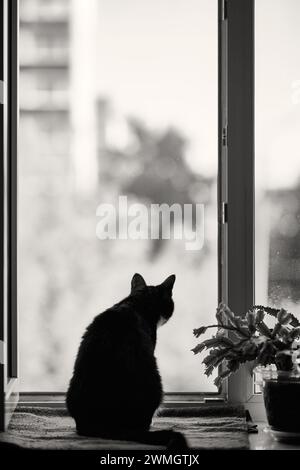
<point>170,439</point>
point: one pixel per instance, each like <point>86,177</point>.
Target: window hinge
<point>2,92</point>
<point>1,352</point>
<point>225,136</point>
<point>224,10</point>
<point>224,212</point>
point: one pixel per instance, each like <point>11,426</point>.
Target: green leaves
<point>251,319</point>
<point>199,348</point>
<point>224,312</point>
<point>218,381</point>
<point>295,333</point>
<point>263,329</point>
<point>254,319</point>
<point>260,316</point>
<point>240,339</point>
<point>274,312</point>
<point>209,343</point>
<point>200,331</point>
<point>267,353</point>
<point>283,317</point>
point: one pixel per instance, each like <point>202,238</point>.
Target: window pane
<point>118,98</point>
<point>277,153</point>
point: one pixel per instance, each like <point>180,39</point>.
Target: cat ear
<point>137,282</point>
<point>169,282</point>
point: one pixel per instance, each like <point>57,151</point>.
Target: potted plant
<point>276,350</point>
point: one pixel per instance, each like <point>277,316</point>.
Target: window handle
<point>224,213</point>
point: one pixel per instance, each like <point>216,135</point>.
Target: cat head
<point>158,298</point>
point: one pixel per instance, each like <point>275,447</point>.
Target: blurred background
<point>119,97</point>
<point>277,179</point>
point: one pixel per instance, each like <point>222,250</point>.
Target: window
<point>236,196</point>
<point>277,159</point>
<point>44,88</point>
<point>124,118</point>
<point>40,46</point>
<point>8,212</point>
<point>43,10</point>
<point>142,122</point>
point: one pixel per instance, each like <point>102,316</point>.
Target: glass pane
<point>118,99</point>
<point>277,153</point>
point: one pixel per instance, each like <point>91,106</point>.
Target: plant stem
<point>231,328</point>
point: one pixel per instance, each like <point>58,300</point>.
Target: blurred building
<point>284,250</point>
<point>57,92</point>
<point>44,79</point>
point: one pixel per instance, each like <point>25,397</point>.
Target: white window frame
<point>235,193</point>
<point>237,177</point>
<point>8,211</point>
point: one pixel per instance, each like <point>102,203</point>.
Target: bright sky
<point>158,61</point>
<point>277,92</point>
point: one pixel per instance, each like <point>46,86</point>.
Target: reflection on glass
<point>124,104</point>
<point>277,153</point>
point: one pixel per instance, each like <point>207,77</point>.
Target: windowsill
<point>56,399</point>
<point>260,441</point>
<point>264,441</point>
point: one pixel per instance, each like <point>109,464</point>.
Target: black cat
<point>116,386</point>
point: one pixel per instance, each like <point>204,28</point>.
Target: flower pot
<point>281,392</point>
